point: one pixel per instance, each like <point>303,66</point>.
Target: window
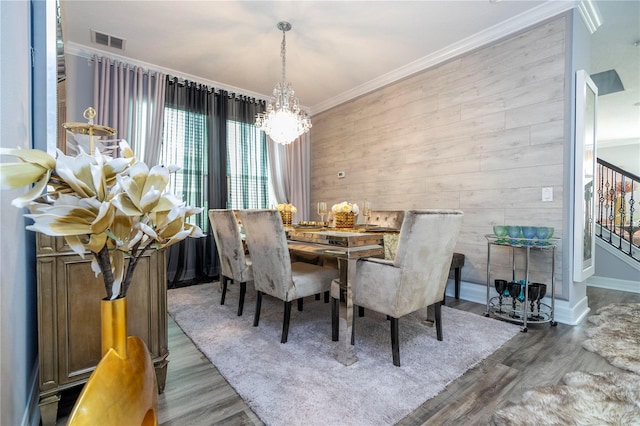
<point>247,170</point>
<point>184,144</point>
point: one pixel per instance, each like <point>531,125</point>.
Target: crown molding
<point>88,53</point>
<point>540,13</point>
<point>590,14</point>
<point>549,9</point>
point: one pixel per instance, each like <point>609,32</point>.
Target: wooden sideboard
<point>69,341</point>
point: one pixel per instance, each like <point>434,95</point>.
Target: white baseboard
<point>31,415</point>
<point>563,313</point>
<point>614,284</point>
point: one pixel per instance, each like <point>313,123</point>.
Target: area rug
<point>585,399</point>
<point>609,398</point>
<point>616,335</point>
<point>300,382</point>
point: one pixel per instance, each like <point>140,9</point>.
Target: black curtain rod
<point>230,95</point>
<point>182,81</point>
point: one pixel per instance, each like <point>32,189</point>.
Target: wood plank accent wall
<point>482,133</point>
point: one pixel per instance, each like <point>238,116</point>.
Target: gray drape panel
<point>131,100</point>
<point>195,260</point>
<point>289,167</point>
<point>278,171</point>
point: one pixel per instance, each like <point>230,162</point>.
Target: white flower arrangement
<point>345,207</point>
<point>283,207</point>
<point>111,207</point>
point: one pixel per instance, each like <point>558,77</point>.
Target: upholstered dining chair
<point>386,218</point>
<point>273,272</point>
<point>235,265</point>
<point>415,279</point>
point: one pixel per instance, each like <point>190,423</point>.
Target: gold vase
<point>114,326</point>
<point>287,217</point>
<point>123,387</point>
<point>345,219</point>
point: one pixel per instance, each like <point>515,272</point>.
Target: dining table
<point>347,246</point>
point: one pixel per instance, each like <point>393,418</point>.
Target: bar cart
<point>521,308</point>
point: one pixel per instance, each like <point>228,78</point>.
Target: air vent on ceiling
<point>607,82</point>
<point>107,40</point>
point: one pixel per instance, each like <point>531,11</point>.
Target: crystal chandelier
<point>283,121</point>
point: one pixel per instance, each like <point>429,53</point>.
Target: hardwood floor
<point>196,394</point>
<point>540,357</point>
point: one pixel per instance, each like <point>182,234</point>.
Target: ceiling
<point>336,50</point>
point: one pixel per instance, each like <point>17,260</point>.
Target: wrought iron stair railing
<point>618,191</point>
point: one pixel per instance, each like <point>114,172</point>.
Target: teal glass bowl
<point>529,232</point>
<point>500,231</point>
<point>544,232</point>
<point>514,231</point>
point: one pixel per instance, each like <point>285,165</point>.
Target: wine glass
<point>322,210</point>
<point>366,211</point>
<point>501,287</point>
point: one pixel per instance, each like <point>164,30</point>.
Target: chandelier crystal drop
<point>283,120</point>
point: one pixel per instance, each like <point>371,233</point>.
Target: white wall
<point>79,86</point>
<point>483,132</point>
<point>17,289</point>
<point>626,156</point>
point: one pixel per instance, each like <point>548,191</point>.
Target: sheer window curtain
<point>131,100</point>
<point>289,166</point>
<point>247,166</point>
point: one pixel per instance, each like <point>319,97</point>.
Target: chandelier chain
<point>283,53</point>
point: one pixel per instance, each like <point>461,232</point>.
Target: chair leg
<point>438,318</point>
<point>285,322</point>
<point>353,327</point>
<point>318,296</point>
<point>300,304</point>
<point>243,290</point>
<point>457,282</point>
<point>224,289</point>
<point>335,324</point>
<point>395,342</point>
<point>360,311</point>
<point>326,297</point>
<point>256,317</point>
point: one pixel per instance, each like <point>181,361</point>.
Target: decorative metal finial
<point>284,26</point>
<point>89,114</point>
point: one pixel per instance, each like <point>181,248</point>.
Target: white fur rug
<point>300,382</point>
<point>616,335</point>
<point>610,398</point>
<point>586,399</point>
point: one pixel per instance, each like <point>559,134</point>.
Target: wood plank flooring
<point>196,393</point>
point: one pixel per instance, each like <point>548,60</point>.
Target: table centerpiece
<point>287,211</point>
<point>345,214</point>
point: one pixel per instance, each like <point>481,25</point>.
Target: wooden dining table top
<point>336,243</point>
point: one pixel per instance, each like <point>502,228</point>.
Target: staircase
<point>617,221</point>
<point>617,229</point>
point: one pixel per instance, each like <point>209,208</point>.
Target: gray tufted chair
<point>386,218</point>
<point>235,265</point>
<point>416,278</point>
<point>273,272</point>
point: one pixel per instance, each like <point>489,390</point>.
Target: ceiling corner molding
<point>590,15</point>
<point>540,13</point>
<point>88,53</point>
